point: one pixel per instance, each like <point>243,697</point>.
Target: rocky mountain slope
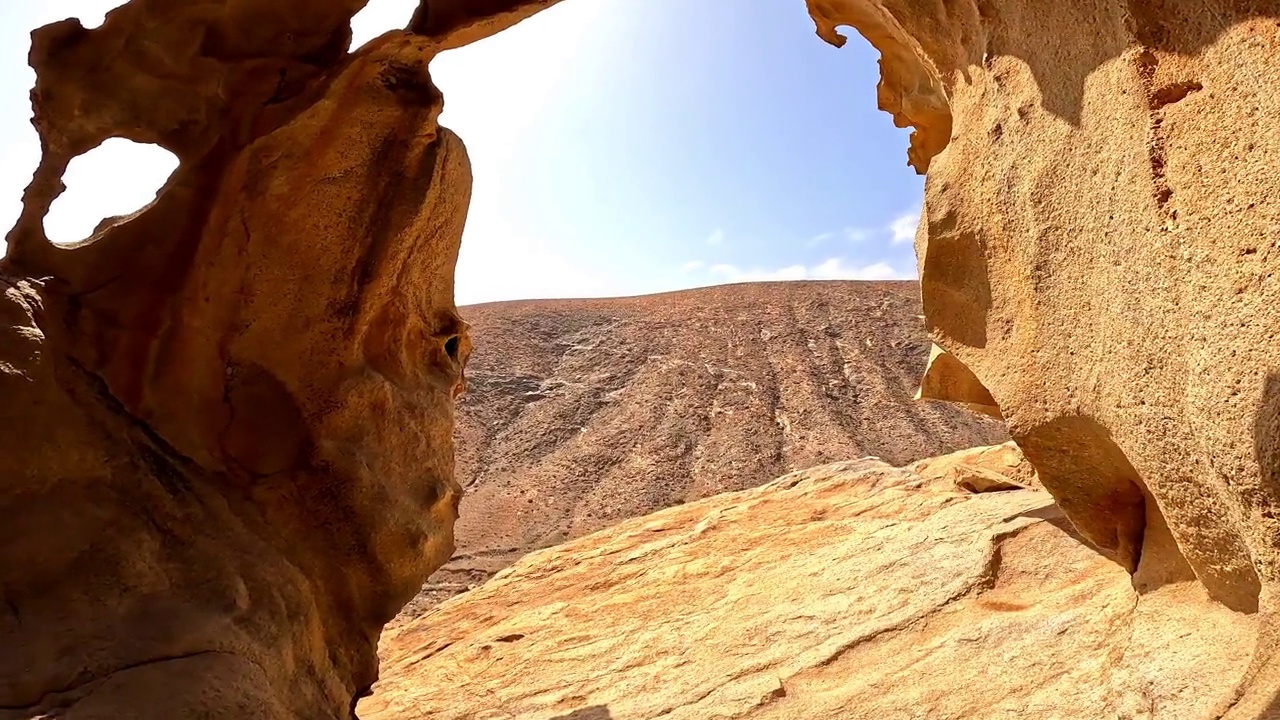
<point>581,413</point>
<point>852,591</point>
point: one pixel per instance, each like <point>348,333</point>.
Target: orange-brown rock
<point>226,450</point>
<point>1099,249</point>
<point>981,469</point>
<point>581,413</point>
<point>853,591</point>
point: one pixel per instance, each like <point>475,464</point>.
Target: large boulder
<point>853,591</point>
<point>1099,248</point>
<point>226,430</point>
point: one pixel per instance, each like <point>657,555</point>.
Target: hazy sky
<point>619,147</point>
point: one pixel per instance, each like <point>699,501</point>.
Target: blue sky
<point>619,147</point>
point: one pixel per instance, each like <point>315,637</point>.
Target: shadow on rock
<point>1266,432</point>
<point>594,712</point>
<point>1262,697</point>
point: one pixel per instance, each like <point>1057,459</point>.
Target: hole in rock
<point>378,17</point>
<point>117,178</point>
<point>19,145</point>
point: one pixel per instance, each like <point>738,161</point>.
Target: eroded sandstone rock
<point>981,469</point>
<point>226,450</point>
<point>946,378</point>
<point>850,591</point>
<point>1100,246</point>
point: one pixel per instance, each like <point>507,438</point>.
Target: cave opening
<point>20,146</point>
<point>307,306</point>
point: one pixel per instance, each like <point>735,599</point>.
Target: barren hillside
<point>581,413</point>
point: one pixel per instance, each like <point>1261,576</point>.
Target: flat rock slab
<point>852,590</point>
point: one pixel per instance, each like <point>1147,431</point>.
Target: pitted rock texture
<point>852,591</point>
<point>226,450</point>
<point>1100,247</point>
<point>582,413</point>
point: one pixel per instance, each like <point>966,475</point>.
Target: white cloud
<point>691,266</point>
<point>734,274</point>
<point>831,269</point>
<point>855,234</point>
<point>836,269</point>
<point>903,227</point>
<point>850,234</point>
<point>499,263</point>
<point>819,239</point>
<point>496,92</point>
<point>716,237</point>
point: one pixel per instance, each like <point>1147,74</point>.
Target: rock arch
<point>213,440</point>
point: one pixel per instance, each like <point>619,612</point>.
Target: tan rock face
<point>1100,249</point>
<point>851,591</point>
<point>981,469</point>
<point>227,454</point>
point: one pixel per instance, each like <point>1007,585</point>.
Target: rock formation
<point>1100,247</point>
<point>227,456</point>
<point>227,419</point>
<point>853,591</point>
<point>582,413</point>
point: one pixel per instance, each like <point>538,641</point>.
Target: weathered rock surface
<point>848,591</point>
<point>981,469</point>
<point>225,435</point>
<point>581,413</point>
<point>1100,248</point>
